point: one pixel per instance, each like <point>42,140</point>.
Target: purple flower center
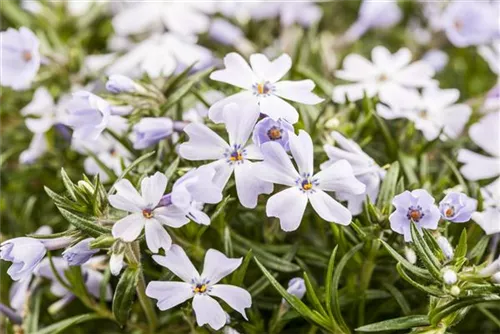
<point>236,155</point>
<point>306,183</point>
<point>415,213</point>
<point>263,88</point>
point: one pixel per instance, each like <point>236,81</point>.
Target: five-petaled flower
<point>417,206</point>
<point>304,186</point>
<point>262,87</point>
<point>200,287</point>
<point>205,144</point>
<point>457,207</point>
<point>144,212</point>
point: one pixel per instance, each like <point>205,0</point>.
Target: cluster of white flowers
<point>262,142</point>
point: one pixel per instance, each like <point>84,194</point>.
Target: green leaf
<point>239,274</point>
<point>109,172</point>
<point>221,207</point>
<point>433,245</point>
<point>441,312</point>
<point>172,168</point>
<point>388,187</point>
<point>86,225</point>
<point>335,286</point>
<point>396,324</point>
<point>328,282</point>
<point>461,249</point>
<point>312,297</point>
<point>68,184</point>
<point>124,294</point>
<point>414,269</point>
<point>104,241</point>
<point>295,302</point>
<point>477,252</point>
<point>425,288</point>
<point>424,253</point>
<point>400,298</point>
<point>62,326</point>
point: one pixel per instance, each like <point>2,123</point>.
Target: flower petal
<point>289,206</point>
<point>126,198</point>
<point>277,166</point>
<point>329,209</point>
<point>203,144</point>
<point>248,185</point>
<point>339,177</point>
<point>239,299</point>
<point>156,236</point>
<point>178,262</point>
<point>237,72</point>
<point>217,265</point>
<point>303,152</point>
<point>240,121</point>
<point>486,135</point>
<point>477,166</point>
<point>129,228</point>
<point>215,113</point>
<point>169,294</point>
<point>298,91</point>
<point>208,311</point>
<point>276,108</point>
<point>153,188</point>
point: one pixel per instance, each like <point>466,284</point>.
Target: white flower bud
<point>410,255</point>
<point>450,277</point>
<point>496,277</point>
<point>455,290</point>
<point>445,246</point>
<point>297,287</point>
<point>116,263</point>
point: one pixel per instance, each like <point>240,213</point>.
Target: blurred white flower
<point>150,130</point>
<point>484,134</point>
<point>181,17</point>
<point>433,111</point>
<point>19,58</point>
<point>436,58</point>
<point>489,218</point>
<point>364,168</point>
<point>201,288</point>
<point>491,54</point>
<point>305,13</point>
<point>492,100</point>
<point>199,111</point>
<point>235,156</point>
<point>161,55</point>
<point>88,115</point>
<point>445,246</point>
<point>470,22</point>
<point>262,87</point>
<point>144,212</point>
<point>224,32</point>
<point>373,14</point>
<point>388,75</point>
<point>304,186</point>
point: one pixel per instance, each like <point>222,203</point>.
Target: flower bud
<point>116,260</point>
<point>150,130</point>
<point>410,255</point>
<point>79,253</point>
<point>455,290</point>
<point>445,246</point>
<point>296,287</point>
<point>449,277</point>
<point>86,187</point>
<point>120,84</point>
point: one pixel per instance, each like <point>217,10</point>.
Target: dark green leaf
<point>62,326</point>
<point>85,225</point>
<point>124,294</point>
<point>396,324</point>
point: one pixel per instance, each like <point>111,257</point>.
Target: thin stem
<point>133,253</point>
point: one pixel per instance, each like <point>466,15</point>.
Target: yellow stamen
<point>147,214</point>
<point>307,186</point>
<point>200,288</point>
<point>260,88</point>
<point>236,157</point>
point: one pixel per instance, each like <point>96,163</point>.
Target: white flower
<point>144,212</point>
<point>373,14</point>
<point>491,54</point>
<point>205,144</point>
<point>199,112</point>
<point>489,218</point>
<point>25,255</point>
<point>304,186</point>
<point>88,115</point>
<point>364,168</point>
<point>305,13</point>
<point>200,287</point>
<point>387,75</point>
<point>20,58</point>
<point>44,110</point>
<point>38,146</point>
<point>193,190</point>
<point>116,263</point>
<point>185,18</point>
<point>262,87</point>
<point>432,111</point>
<point>161,55</point>
<point>484,134</point>
<point>445,246</point>
<point>438,59</point>
<point>470,23</point>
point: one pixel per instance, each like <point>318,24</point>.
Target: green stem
<point>133,253</point>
